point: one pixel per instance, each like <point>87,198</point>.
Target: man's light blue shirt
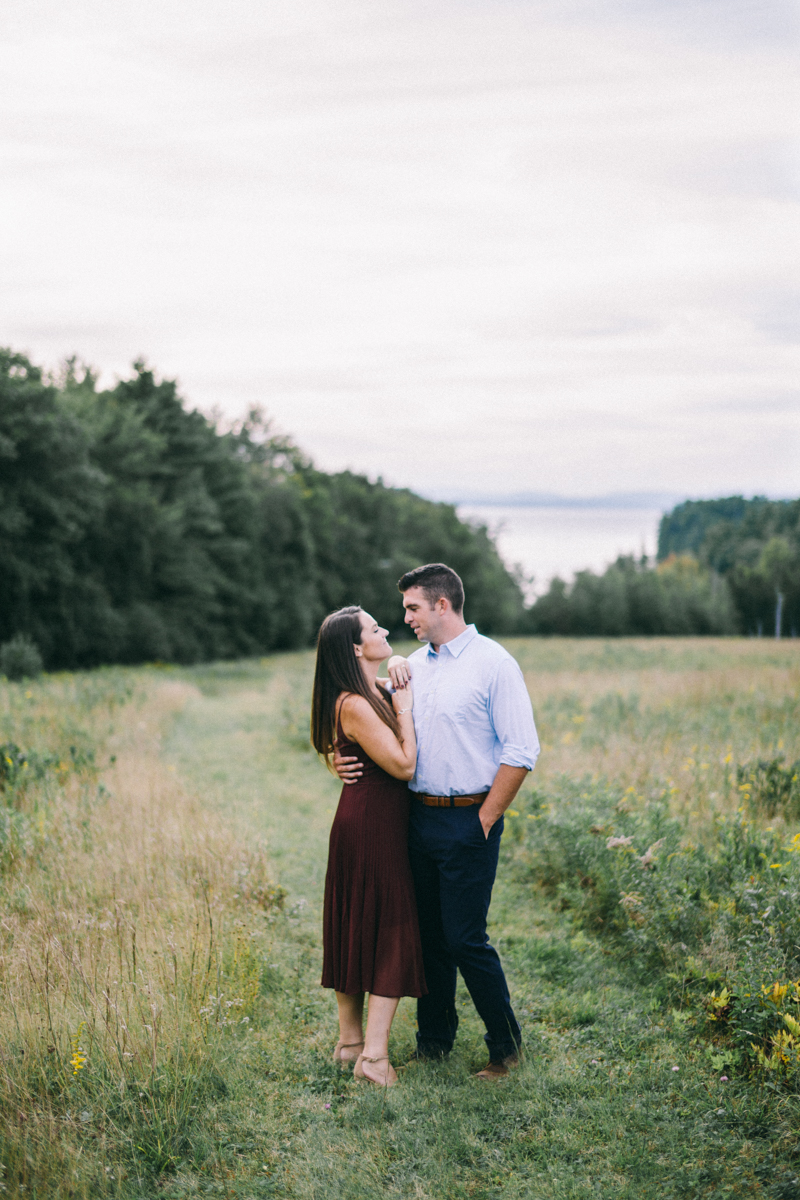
<point>472,712</point>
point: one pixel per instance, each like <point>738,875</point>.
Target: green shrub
<point>20,658</point>
<point>722,914</point>
<point>770,788</point>
<point>627,869</point>
<point>756,1027</point>
<point>19,766</point>
<point>12,763</point>
<point>621,869</point>
<point>18,770</point>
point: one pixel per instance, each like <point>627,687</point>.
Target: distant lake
<point>560,541</point>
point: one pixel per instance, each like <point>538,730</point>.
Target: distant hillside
<point>623,500</point>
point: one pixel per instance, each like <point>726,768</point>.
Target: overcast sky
<point>481,245</point>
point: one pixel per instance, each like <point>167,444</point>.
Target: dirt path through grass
<point>613,1099</point>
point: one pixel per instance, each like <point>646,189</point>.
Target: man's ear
<point>442,604</point>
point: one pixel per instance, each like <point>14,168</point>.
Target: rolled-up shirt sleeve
<point>511,715</point>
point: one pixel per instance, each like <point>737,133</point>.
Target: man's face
<point>422,616</point>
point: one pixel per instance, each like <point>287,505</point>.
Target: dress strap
<point>341,736</point>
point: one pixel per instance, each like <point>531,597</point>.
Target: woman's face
<point>374,646</point>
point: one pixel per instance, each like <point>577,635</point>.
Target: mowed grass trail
<point>617,1097</point>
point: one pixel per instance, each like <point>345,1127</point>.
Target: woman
<point>370,933</point>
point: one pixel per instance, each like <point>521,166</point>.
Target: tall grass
<point>131,921</point>
<point>656,714</point>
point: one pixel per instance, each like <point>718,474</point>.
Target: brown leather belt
<point>451,801</point>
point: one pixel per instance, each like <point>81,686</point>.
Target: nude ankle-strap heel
<point>358,1070</point>
<point>337,1053</point>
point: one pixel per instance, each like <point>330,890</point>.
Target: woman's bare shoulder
<point>357,715</point>
<point>353,708</point>
<point>359,707</point>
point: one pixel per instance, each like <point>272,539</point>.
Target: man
<point>476,742</point>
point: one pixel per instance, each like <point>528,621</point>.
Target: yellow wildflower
<point>79,1058</point>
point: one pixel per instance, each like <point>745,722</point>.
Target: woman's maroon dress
<point>370,933</point>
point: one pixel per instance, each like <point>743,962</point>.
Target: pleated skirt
<point>370,931</point>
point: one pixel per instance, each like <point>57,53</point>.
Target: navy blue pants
<point>454,867</point>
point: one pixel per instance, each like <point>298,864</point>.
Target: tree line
<point>134,529</point>
<point>728,566</point>
<point>754,545</point>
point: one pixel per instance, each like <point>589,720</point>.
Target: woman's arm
<point>360,723</point>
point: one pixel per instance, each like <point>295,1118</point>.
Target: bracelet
<point>400,711</point>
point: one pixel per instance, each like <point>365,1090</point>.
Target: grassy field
<point>163,840</point>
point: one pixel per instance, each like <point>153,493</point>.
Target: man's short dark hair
<point>436,580</point>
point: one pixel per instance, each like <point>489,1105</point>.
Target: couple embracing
<point>430,759</point>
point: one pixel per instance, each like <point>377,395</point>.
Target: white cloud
<point>547,246</point>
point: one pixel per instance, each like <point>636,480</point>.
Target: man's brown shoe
<point>493,1071</point>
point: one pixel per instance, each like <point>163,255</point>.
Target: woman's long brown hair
<point>338,671</point>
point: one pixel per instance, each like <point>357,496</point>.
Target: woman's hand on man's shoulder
<point>399,671</point>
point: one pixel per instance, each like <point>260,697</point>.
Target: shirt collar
<point>458,643</point>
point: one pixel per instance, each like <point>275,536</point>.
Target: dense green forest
<point>134,529</point>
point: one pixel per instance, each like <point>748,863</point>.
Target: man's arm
<point>512,718</point>
<point>507,783</point>
<point>347,767</point>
